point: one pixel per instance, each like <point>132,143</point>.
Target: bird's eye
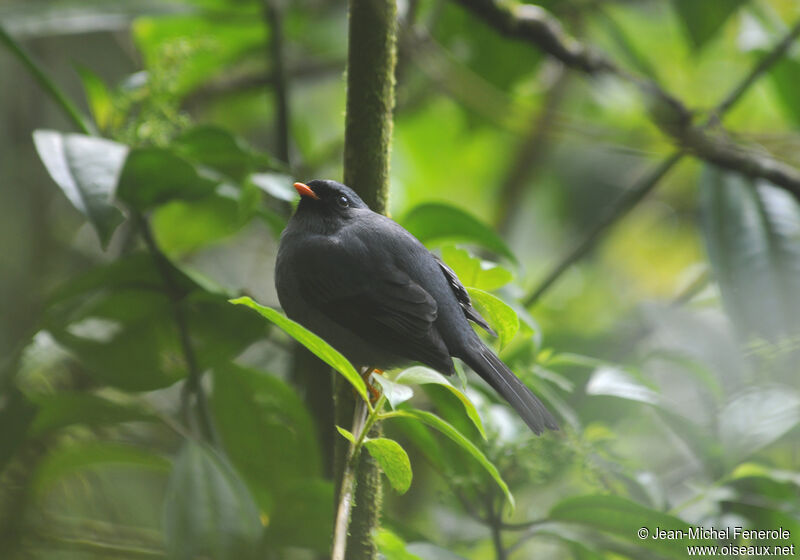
<point>343,201</point>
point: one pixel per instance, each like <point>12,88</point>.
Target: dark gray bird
<point>376,294</point>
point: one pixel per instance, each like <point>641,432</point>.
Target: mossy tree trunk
<point>368,130</point>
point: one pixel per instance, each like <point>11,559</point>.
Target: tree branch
<point>534,25</point>
<point>193,381</point>
<point>371,58</point>
<point>695,140</point>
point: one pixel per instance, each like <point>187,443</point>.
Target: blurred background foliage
<point>669,351</point>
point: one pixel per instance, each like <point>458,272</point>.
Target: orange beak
<point>304,190</point>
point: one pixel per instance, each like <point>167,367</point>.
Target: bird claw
<point>374,393</point>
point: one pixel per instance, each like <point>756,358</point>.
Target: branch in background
<point>625,203</point>
<point>273,15</point>
<point>530,154</point>
<point>697,141</point>
<point>193,385</point>
<point>236,83</point>
<point>536,26</point>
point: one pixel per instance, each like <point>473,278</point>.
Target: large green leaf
<point>152,176</point>
<point>420,375</point>
<point>500,316</point>
<point>752,231</point>
<point>703,19</point>
<point>393,460</point>
<point>315,344</point>
<point>218,149</point>
<point>77,457</point>
<point>447,429</point>
<point>624,518</point>
<point>87,170</point>
<point>474,272</point>
<point>435,221</point>
<point>183,226</point>
<point>125,332</point>
<point>208,511</point>
<point>279,444</point>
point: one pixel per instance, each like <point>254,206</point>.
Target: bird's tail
<point>486,364</point>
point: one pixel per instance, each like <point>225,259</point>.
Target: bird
<point>374,292</point>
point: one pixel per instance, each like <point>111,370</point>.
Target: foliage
<point>148,403</point>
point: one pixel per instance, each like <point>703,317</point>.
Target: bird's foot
<point>374,393</point>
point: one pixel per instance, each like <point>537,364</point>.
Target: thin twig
<point>621,207</point>
<point>348,486</point>
<point>48,85</point>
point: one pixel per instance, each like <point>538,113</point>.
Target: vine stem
<point>364,417</point>
<point>46,83</point>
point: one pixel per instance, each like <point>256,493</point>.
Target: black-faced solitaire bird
<point>376,294</point>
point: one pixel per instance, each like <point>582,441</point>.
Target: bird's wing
<point>463,297</point>
<point>377,301</point>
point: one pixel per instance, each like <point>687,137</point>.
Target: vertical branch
<point>273,16</point>
<point>370,98</point>
<point>368,129</point>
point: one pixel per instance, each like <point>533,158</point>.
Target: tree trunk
<point>368,131</point>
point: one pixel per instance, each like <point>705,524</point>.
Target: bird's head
<point>327,201</point>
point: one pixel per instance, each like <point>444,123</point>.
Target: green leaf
<point>279,443</point>
<point>433,222</point>
<point>86,169</point>
<point>215,147</point>
<point>756,418</point>
<point>614,382</point>
<point>752,231</point>
<point>315,344</point>
<point>624,518</point>
<point>703,19</point>
<point>346,434</point>
<point>785,75</point>
<point>183,226</point>
<point>60,410</point>
<point>420,375</point>
<point>77,457</point>
<point>392,547</point>
<point>474,272</point>
<point>276,185</point>
<point>97,96</point>
<point>153,176</point>
<point>208,511</point>
<point>125,334</point>
<point>502,318</point>
<point>395,393</point>
<point>447,429</point>
<point>393,461</point>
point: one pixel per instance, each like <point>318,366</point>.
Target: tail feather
<point>492,369</point>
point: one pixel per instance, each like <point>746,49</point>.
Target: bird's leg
<point>366,373</point>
